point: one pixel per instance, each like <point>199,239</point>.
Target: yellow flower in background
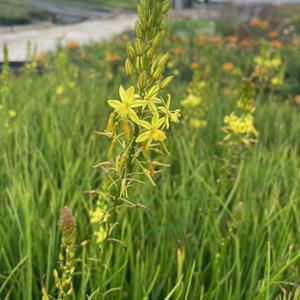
<point>128,102</point>
<point>191,101</point>
<point>100,234</point>
<point>98,216</point>
<point>12,113</point>
<point>60,90</point>
<point>240,125</point>
<point>153,131</point>
<point>198,123</point>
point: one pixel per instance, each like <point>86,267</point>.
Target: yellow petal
<point>143,137</point>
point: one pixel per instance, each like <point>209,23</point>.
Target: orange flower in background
<point>173,37</point>
<point>255,21</point>
<point>276,44</point>
<point>39,58</point>
<point>297,99</point>
<point>72,45</point>
<point>217,40</point>
<point>273,34</point>
<point>195,65</point>
<point>295,42</point>
<point>247,43</point>
<point>201,40</point>
<point>264,24</point>
<point>125,37</point>
<point>178,50</point>
<point>228,66</point>
<point>232,39</point>
<point>113,57</point>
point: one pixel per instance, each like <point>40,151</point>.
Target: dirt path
<point>47,38</point>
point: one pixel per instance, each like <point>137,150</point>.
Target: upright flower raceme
<point>269,70</point>
<point>193,106</point>
<point>239,126</point>
<point>141,114</point>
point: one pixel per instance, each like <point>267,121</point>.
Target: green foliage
<point>201,237</point>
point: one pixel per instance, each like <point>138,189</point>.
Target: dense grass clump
<point>203,235</point>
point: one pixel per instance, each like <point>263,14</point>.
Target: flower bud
<point>139,47</point>
<point>166,82</point>
<point>130,51</point>
<point>128,67</point>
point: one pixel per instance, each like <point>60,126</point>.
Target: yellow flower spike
<point>125,107</point>
<point>152,133</point>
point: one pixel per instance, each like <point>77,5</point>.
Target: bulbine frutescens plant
<point>269,69</point>
<point>140,118</point>
<point>239,130</point>
<point>193,107</point>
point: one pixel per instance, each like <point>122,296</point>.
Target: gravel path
<point>47,38</point>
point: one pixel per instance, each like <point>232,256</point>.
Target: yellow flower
<point>153,132</point>
<point>191,101</point>
<point>59,90</point>
<point>151,98</point>
<point>101,235</point>
<point>172,116</point>
<point>240,125</point>
<point>12,113</point>
<point>97,216</point>
<point>128,102</point>
<point>197,123</point>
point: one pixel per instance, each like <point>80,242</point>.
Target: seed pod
<point>166,82</point>
<point>128,67</point>
<point>130,51</point>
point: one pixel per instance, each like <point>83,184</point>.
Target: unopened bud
<point>130,51</point>
<point>166,82</point>
<point>139,47</point>
<point>142,80</point>
<point>128,67</point>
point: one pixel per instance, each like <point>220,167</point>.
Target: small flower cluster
<point>239,128</point>
<point>64,281</point>
<point>268,68</point>
<point>193,106</point>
